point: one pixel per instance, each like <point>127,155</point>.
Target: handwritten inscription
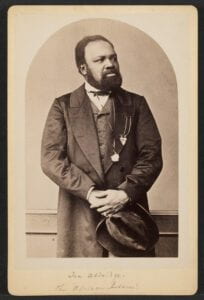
<point>95,282</point>
<point>105,275</point>
<point>113,285</point>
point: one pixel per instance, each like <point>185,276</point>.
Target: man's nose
<point>109,63</point>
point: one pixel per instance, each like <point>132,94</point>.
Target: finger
<point>117,209</point>
<point>110,209</point>
<point>95,205</point>
<point>98,203</point>
<point>104,208</point>
<point>100,194</point>
<point>107,213</point>
<point>101,202</point>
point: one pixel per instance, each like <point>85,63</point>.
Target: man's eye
<point>99,60</point>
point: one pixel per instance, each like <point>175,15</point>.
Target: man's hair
<point>81,45</point>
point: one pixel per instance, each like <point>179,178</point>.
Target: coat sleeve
<point>54,159</point>
<point>149,160</point>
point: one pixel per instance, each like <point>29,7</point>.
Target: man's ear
<point>83,69</point>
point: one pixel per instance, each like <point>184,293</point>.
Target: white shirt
<point>98,100</point>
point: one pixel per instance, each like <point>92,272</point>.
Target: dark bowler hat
<point>128,233</point>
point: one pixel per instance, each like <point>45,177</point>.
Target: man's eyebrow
<point>103,56</point>
<point>99,56</point>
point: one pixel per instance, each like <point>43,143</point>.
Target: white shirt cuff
<point>89,192</point>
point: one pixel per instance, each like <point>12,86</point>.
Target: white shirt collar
<point>99,101</point>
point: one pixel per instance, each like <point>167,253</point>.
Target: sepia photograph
<point>99,118</point>
<point>101,144</point>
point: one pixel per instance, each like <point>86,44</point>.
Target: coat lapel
<point>123,111</point>
<point>84,128</point>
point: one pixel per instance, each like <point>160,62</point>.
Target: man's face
<point>101,68</point>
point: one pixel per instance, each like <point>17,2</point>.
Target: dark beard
<point>106,83</point>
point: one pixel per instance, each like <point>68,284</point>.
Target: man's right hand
<point>97,197</point>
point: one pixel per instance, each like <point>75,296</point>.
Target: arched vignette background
<point>146,70</point>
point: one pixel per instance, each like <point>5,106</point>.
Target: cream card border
<point>174,28</point>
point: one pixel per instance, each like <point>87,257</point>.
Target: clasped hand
<point>108,201</point>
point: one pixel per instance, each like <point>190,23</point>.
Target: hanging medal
<point>115,157</point>
<point>123,140</point>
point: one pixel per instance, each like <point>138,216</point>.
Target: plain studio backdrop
<point>146,70</point>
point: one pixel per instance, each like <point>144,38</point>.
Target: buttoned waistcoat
<point>70,157</point>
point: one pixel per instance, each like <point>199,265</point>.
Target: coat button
<point>122,169</point>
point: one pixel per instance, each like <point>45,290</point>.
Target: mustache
<point>111,71</point>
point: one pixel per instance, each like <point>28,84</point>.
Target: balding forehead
<point>98,48</point>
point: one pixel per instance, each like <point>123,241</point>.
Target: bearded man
<point>101,146</point>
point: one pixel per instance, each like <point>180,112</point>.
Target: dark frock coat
<point>71,158</point>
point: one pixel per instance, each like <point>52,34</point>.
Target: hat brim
<point>128,234</point>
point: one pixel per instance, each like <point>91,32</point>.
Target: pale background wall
<point>146,70</point>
